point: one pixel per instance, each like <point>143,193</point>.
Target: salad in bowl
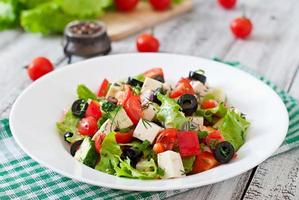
<point>145,128</point>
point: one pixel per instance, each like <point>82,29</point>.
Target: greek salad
<point>145,128</point>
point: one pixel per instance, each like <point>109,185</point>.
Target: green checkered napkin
<point>23,178</point>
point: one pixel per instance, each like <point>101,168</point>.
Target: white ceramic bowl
<point>37,109</point>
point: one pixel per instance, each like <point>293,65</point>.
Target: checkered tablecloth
<point>23,178</point>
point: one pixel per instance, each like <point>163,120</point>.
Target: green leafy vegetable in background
<point>170,113</point>
<point>46,18</point>
<point>69,124</point>
<point>84,8</point>
<point>9,13</point>
<point>50,16</point>
<point>85,93</point>
<point>27,4</point>
<point>233,128</point>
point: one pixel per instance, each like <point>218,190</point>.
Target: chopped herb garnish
<point>146,123</point>
<point>202,134</point>
<point>108,106</point>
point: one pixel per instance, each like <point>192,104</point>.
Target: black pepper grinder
<point>86,39</point>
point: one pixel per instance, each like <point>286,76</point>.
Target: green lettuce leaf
<point>46,19</point>
<point>69,124</point>
<point>84,8</point>
<point>110,154</point>
<point>188,163</point>
<point>233,128</point>
<point>146,169</point>
<point>28,4</point>
<point>84,93</point>
<point>9,13</point>
<point>145,147</point>
<point>170,113</point>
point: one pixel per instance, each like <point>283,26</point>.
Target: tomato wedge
<point>166,140</point>
<point>133,108</point>
<point>204,161</point>
<point>103,89</point>
<point>88,126</point>
<point>152,73</point>
<point>213,138</point>
<point>93,110</point>
<point>123,138</point>
<point>182,87</point>
<point>188,143</point>
<point>208,104</point>
<point>98,141</point>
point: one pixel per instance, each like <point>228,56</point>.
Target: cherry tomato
<point>204,161</point>
<point>98,141</point>
<point>154,72</point>
<point>39,67</point>
<point>241,27</point>
<point>158,148</point>
<point>183,87</point>
<point>126,5</point>
<point>93,110</point>
<point>133,109</point>
<point>188,143</point>
<point>147,43</point>
<point>228,4</point>
<point>166,140</point>
<point>103,89</point>
<point>160,4</point>
<point>123,96</point>
<point>123,138</point>
<point>208,104</point>
<point>88,126</point>
<point>213,138</point>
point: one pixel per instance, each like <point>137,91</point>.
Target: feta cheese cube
<point>146,130</point>
<point>113,90</point>
<point>199,88</point>
<point>149,111</point>
<point>196,122</point>
<point>172,164</point>
<point>107,127</point>
<point>146,97</point>
<point>150,85</point>
<point>121,119</point>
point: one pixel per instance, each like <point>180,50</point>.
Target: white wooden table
<point>273,50</point>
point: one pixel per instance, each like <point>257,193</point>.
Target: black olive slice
<point>79,107</point>
<point>159,78</point>
<point>75,146</point>
<point>197,76</point>
<point>224,152</point>
<point>155,96</point>
<point>133,154</point>
<point>68,135</point>
<point>188,103</point>
<point>134,82</point>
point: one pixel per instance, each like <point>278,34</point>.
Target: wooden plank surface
<point>121,26</point>
<point>272,50</point>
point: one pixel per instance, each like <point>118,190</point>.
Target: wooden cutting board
<point>121,25</point>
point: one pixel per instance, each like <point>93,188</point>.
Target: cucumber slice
<point>87,154</point>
